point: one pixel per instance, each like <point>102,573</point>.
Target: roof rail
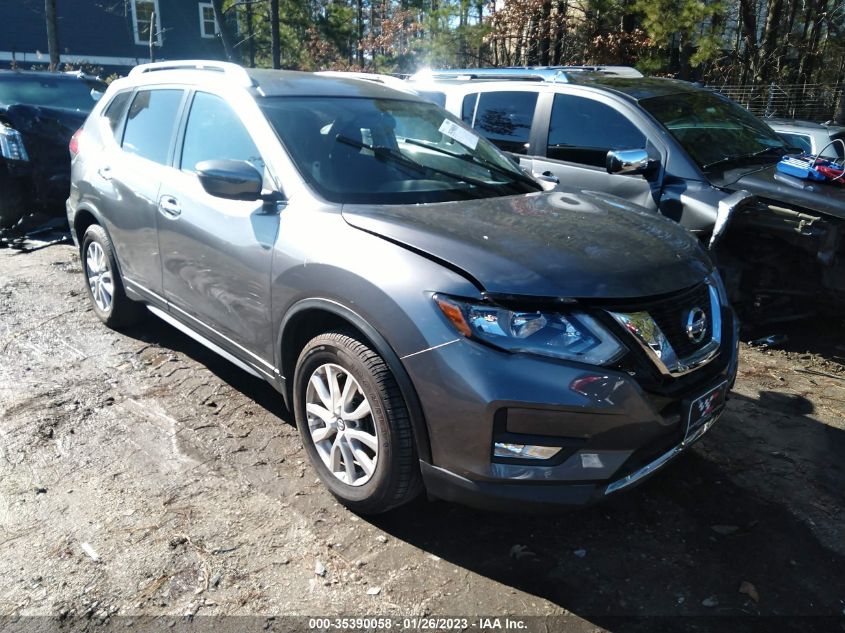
<point>232,71</point>
<point>527,76</point>
<point>559,74</point>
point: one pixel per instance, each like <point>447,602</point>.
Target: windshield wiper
<point>387,154</point>
<point>516,175</point>
<point>741,157</point>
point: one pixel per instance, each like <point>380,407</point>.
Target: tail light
<point>74,142</point>
<point>11,144</point>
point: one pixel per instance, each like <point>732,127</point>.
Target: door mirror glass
<point>230,179</point>
<point>628,161</point>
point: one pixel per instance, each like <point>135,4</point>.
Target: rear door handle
<point>169,206</point>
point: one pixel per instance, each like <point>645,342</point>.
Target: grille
<point>671,313</point>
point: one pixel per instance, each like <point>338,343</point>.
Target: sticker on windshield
<point>455,131</point>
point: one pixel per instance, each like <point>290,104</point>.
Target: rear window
<point>51,90</point>
<point>149,126</point>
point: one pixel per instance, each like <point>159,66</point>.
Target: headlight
<point>573,335</point>
<point>11,144</point>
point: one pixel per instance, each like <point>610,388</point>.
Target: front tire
<point>354,424</point>
<point>105,287</point>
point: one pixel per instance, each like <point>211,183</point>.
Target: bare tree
<point>225,30</point>
<point>52,33</point>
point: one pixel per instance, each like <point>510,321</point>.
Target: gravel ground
<point>142,475</point>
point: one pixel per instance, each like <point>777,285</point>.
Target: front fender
<point>380,346</point>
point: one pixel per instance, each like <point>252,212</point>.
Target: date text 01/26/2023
<point>417,624</point>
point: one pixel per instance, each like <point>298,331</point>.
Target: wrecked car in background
<point>674,147</point>
<point>39,112</point>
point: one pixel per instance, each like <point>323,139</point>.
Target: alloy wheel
<point>341,424</point>
<point>99,275</point>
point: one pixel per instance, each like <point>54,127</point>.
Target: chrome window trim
<point>657,346</point>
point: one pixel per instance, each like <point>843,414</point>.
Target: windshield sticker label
<point>455,131</point>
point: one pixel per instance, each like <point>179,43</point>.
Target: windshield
<point>713,129</point>
<point>56,91</point>
<point>389,151</point>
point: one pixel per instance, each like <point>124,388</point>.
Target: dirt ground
<point>142,475</point>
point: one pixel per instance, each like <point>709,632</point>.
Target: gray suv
<point>432,317</point>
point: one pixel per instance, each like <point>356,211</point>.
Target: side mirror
<point>230,179</point>
<point>627,161</point>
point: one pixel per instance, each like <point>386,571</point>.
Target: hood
<point>559,244</point>
<point>770,184</point>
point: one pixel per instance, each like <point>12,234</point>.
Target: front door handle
<point>169,206</point>
<point>547,176</point>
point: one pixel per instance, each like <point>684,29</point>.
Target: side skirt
<point>199,338</point>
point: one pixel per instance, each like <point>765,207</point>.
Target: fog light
<point>524,451</point>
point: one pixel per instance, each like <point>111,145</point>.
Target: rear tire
<point>354,424</point>
<point>102,279</point>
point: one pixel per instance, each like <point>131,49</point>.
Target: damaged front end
<point>34,161</point>
<point>782,262</point>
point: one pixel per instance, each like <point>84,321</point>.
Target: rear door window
<point>583,130</point>
<point>214,132</point>
<point>150,124</point>
<point>502,117</point>
<point>116,109</point>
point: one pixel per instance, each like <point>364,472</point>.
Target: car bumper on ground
<point>592,441</point>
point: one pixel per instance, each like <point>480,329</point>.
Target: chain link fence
<point>811,102</point>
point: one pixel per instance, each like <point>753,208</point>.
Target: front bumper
<point>610,439</point>
<point>519,497</point>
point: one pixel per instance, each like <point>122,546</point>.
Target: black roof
<point>637,88</point>
<point>289,83</point>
